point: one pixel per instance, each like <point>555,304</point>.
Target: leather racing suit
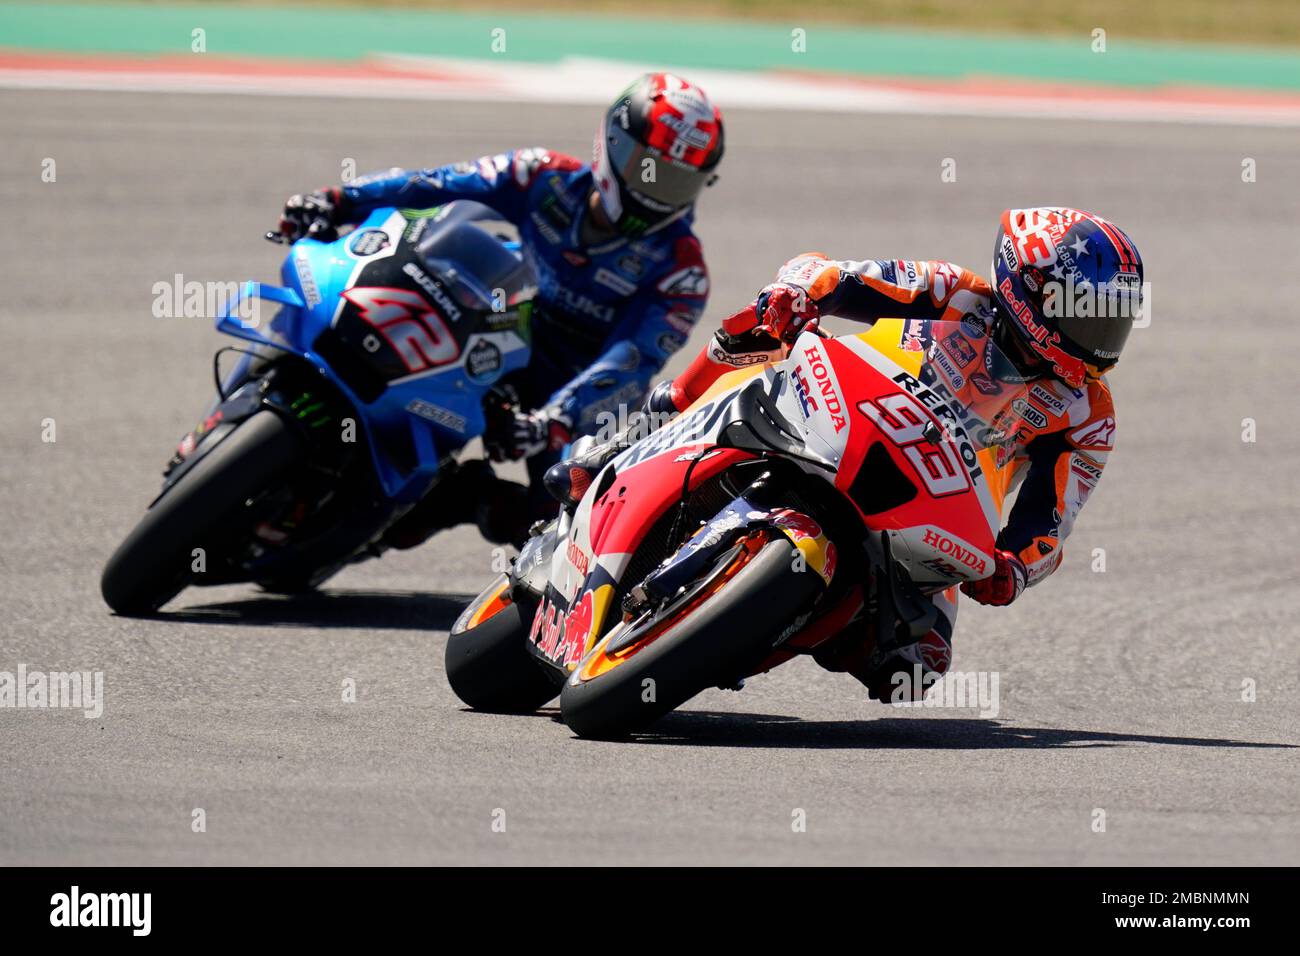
<point>1055,461</point>
<point>607,316</point>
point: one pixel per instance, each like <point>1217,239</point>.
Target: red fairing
<point>623,515</point>
<point>878,411</point>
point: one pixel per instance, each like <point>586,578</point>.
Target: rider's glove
<point>1005,583</point>
<point>781,310</point>
<point>315,215</point>
<point>529,433</point>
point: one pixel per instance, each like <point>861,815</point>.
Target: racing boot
<point>903,674</point>
<point>453,500</point>
<point>504,511</point>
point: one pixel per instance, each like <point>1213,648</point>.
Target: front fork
<point>271,386</point>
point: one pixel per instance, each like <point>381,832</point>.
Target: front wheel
<point>203,510</point>
<point>487,661</point>
<point>730,625</point>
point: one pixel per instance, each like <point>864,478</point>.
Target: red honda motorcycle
<point>838,488</point>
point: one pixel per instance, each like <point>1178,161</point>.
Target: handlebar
<point>321,229</point>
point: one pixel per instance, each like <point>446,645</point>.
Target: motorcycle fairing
<point>820,389</point>
<point>818,394</point>
<point>609,523</point>
<point>437,409</point>
<point>601,535</point>
<point>937,535</point>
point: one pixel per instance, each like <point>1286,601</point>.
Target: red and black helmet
<point>658,146</point>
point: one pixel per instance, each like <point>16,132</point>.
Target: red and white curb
<point>580,80</point>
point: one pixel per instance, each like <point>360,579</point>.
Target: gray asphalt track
<point>1121,691</point>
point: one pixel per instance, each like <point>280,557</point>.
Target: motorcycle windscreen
<point>953,398</point>
<point>963,365</point>
<point>477,267</point>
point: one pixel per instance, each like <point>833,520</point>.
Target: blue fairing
<point>438,405</point>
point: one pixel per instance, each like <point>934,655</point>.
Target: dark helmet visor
<point>1094,321</point>
<point>659,181</point>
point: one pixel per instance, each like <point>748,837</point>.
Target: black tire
<point>489,666</point>
<point>732,631</point>
<point>299,582</point>
<point>203,509</point>
<point>289,585</point>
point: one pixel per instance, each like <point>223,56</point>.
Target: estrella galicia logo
<point>368,242</point>
<point>483,362</point>
<point>973,324</point>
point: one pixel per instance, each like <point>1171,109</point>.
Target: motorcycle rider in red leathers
<point>1067,429</point>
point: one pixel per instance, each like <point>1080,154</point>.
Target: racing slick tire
<point>489,667</point>
<point>732,630</point>
<point>204,509</point>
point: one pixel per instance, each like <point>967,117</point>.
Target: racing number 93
<point>904,421</point>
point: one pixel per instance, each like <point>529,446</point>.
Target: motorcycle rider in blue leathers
<point>621,281</point>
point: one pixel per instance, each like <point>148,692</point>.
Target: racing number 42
<point>411,327</point>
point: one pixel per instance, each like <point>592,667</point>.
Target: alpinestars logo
<point>1098,435</point>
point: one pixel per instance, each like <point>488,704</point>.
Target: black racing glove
<point>526,434</point>
<point>316,215</point>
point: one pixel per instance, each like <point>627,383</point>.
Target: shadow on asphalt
<point>369,610</point>
<point>726,729</point>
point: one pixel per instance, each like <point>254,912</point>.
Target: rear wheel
<point>205,510</point>
<point>714,637</point>
<point>487,661</point>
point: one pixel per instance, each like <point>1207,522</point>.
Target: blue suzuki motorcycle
<point>335,431</point>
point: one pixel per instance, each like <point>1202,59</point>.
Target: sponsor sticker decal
<point>437,414</point>
<point>367,242</point>
<point>483,362</point>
